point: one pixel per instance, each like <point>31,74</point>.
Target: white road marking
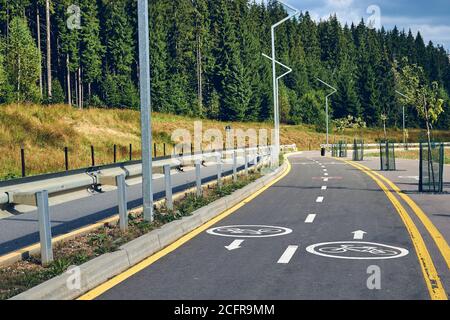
<point>288,254</point>
<point>325,180</point>
<point>310,218</point>
<point>359,235</point>
<point>236,244</point>
<point>320,199</point>
<point>325,170</point>
<point>325,174</point>
<point>324,188</point>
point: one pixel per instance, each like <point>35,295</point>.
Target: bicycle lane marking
<point>106,286</point>
<point>432,279</point>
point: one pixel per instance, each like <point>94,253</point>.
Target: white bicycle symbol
<point>354,250</point>
<point>249,231</point>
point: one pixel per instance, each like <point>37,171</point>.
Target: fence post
<point>168,185</point>
<point>164,147</point>
<point>131,152</point>
<point>22,160</point>
<point>122,201</point>
<point>219,170</point>
<point>235,177</point>
<point>198,179</point>
<point>92,156</point>
<point>115,153</point>
<point>45,229</point>
<point>66,158</point>
<point>154,151</point>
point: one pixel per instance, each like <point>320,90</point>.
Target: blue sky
<point>430,17</point>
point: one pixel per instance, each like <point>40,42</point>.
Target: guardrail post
<point>131,152</point>
<point>122,201</point>
<point>66,158</point>
<point>219,170</point>
<point>168,184</point>
<point>246,162</point>
<point>198,179</point>
<point>235,178</point>
<point>154,151</point>
<point>164,147</point>
<point>22,160</point>
<point>45,229</point>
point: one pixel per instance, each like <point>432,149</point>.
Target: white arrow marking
<point>236,244</point>
<point>310,218</point>
<point>358,235</point>
<point>288,254</point>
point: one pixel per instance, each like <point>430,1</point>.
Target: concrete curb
<point>105,267</point>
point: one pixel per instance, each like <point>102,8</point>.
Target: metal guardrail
<point>37,193</point>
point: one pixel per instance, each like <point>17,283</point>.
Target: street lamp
<point>326,108</point>
<point>146,117</point>
<point>274,76</point>
<point>404,117</point>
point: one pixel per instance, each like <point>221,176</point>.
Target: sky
<point>430,17</point>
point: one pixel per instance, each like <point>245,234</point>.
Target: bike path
<point>203,268</point>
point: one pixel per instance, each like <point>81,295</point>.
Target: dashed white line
<point>325,174</point>
<point>310,218</point>
<point>324,187</point>
<point>325,180</point>
<point>320,199</point>
<point>288,254</point>
<point>325,170</point>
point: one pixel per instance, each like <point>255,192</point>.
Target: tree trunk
<point>430,154</point>
<point>49,51</point>
<point>80,89</point>
<point>19,71</point>
<point>38,25</point>
<point>69,87</point>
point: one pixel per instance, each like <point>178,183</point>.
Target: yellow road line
<point>437,236</point>
<point>94,293</point>
<point>432,279</point>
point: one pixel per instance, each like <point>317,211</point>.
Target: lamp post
<point>274,77</point>
<point>146,128</point>
<point>277,107</point>
<point>326,108</point>
<point>404,117</point>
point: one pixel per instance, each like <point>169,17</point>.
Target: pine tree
<point>22,61</point>
<point>91,47</point>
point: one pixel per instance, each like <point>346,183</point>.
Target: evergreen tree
<point>22,61</point>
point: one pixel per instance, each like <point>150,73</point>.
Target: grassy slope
<point>45,131</point>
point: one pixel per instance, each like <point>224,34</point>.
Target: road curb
<point>105,267</point>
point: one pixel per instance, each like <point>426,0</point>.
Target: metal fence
<point>431,167</point>
<point>342,153</point>
<point>387,156</point>
<point>358,150</point>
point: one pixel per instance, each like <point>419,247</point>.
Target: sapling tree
<point>425,96</point>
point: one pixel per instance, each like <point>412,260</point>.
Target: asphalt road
<point>21,230</point>
<point>280,267</point>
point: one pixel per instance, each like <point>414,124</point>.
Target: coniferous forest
<point>206,60</point>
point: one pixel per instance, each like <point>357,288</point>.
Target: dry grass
<point>45,131</point>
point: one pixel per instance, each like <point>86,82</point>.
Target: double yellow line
<point>430,274</point>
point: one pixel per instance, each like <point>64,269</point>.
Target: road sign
<point>249,231</point>
<point>354,250</point>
